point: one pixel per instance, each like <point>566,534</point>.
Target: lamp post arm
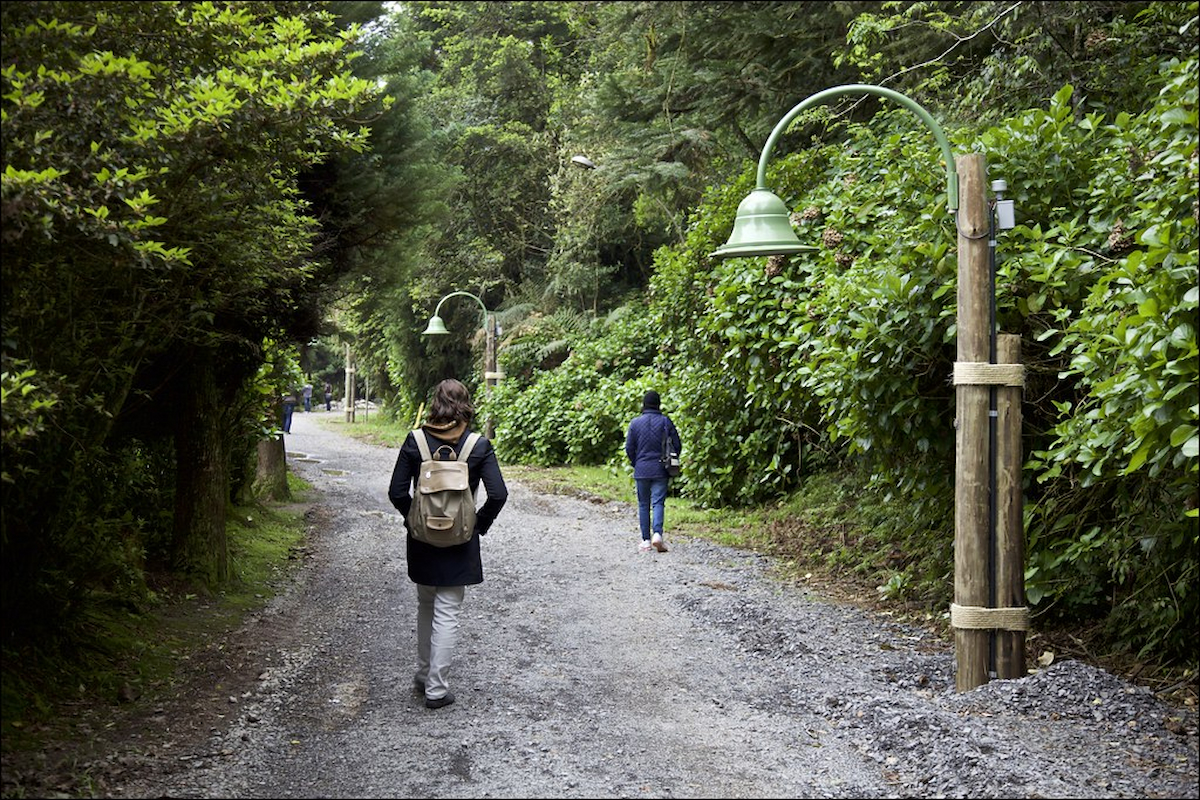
<point>860,88</point>
<point>437,312</point>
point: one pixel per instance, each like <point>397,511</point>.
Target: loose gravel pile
<point>587,669</point>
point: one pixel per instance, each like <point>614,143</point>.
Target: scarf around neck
<point>450,431</point>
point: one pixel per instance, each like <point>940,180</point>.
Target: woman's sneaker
<point>657,542</point>
<point>644,547</point>
<point>439,702</point>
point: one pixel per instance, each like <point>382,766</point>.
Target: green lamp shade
<point>762,228</point>
<point>436,326</point>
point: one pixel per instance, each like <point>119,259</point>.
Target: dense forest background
<point>207,204</point>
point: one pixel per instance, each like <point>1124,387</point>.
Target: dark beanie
<point>651,400</point>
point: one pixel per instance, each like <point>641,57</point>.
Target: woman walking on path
<point>443,573</point>
<point>644,445</point>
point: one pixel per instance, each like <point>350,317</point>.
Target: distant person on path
<point>289,406</point>
<point>328,396</point>
<point>308,397</point>
<point>443,573</point>
<point>644,448</point>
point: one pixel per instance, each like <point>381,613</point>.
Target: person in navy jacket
<point>443,573</point>
<point>644,447</point>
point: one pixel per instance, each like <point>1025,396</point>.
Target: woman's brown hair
<point>451,403</point>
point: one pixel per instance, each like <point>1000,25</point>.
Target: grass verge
<point>127,656</point>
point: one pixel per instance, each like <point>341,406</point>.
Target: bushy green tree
<point>154,236</point>
<point>378,210</point>
<point>979,61</point>
<point>575,411</point>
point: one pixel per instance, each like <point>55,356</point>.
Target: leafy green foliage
<point>980,60</point>
<point>540,343</point>
<point>154,236</point>
<point>577,412</point>
<point>27,403</point>
<point>1126,438</point>
<point>844,355</point>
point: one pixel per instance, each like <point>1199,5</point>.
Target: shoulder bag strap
<point>422,444</point>
<point>467,447</point>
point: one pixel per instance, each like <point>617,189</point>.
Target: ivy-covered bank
<point>778,369</point>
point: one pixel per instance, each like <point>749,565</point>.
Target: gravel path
<point>586,669</point>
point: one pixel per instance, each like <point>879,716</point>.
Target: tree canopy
<point>200,199</point>
<point>155,238</point>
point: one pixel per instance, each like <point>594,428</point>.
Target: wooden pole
<point>972,452</point>
<point>1010,523</point>
<point>348,398</point>
<point>489,369</point>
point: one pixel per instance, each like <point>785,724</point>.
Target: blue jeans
<point>652,497</point>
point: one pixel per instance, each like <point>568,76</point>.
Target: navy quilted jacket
<point>644,443</point>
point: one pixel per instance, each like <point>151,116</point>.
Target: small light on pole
<point>1005,218</point>
<point>436,327</point>
<point>583,162</point>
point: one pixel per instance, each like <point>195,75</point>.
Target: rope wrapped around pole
<point>980,618</point>
<point>974,373</point>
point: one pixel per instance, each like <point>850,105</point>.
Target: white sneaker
<point>644,547</point>
<point>657,542</point>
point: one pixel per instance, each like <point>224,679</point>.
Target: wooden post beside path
<point>348,401</point>
<point>988,613</point>
<point>491,372</point>
<point>1010,513</point>
<point>971,443</point>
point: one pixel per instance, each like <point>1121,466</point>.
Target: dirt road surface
<point>587,669</point>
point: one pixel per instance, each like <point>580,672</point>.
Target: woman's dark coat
<point>458,565</point>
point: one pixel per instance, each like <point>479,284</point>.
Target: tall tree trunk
<point>201,479</point>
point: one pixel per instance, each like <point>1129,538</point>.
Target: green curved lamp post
<point>763,226</point>
<point>437,327</point>
<point>988,612</point>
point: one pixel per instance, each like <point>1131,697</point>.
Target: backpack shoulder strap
<point>468,446</point>
<point>422,444</point>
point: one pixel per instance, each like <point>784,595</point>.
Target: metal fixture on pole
<point>763,227</point>
<point>491,374</point>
